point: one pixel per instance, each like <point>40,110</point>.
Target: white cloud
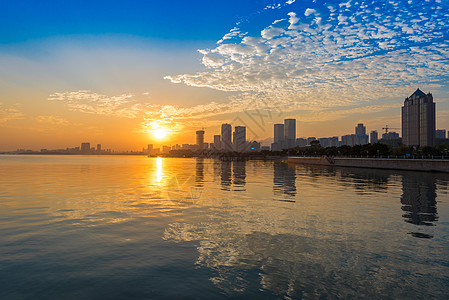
<point>347,55</point>
<point>89,102</point>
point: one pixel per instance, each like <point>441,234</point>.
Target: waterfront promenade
<point>428,165</point>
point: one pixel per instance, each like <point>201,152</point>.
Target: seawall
<point>428,165</point>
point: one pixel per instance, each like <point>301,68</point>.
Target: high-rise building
<point>418,120</point>
<point>440,133</point>
<point>361,138</point>
<point>373,137</point>
<point>85,147</point>
<point>239,138</point>
<point>98,147</point>
<point>217,142</point>
<point>278,133</point>
<point>200,139</point>
<point>226,137</point>
<point>290,132</point>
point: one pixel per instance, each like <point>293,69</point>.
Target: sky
<point>114,72</point>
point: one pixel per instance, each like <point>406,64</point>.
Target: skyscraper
<point>278,133</point>
<point>200,139</point>
<point>418,120</point>
<point>226,136</point>
<point>217,142</point>
<point>290,132</point>
<point>373,137</point>
<point>239,138</point>
<point>361,138</point>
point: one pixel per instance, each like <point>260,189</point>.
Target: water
<point>106,227</point>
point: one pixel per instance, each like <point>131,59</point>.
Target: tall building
<point>440,133</point>
<point>290,132</point>
<point>239,138</point>
<point>361,138</point>
<point>226,136</point>
<point>418,120</point>
<point>98,147</point>
<point>200,139</point>
<point>373,137</point>
<point>217,142</point>
<point>85,147</point>
<point>278,133</point>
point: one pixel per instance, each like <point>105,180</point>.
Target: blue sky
<point>130,66</point>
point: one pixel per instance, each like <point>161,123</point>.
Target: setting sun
<point>160,133</point>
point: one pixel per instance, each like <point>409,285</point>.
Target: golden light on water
<point>159,170</point>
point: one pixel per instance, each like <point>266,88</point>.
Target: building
<point>239,140</point>
<point>334,141</point>
<point>254,146</point>
<point>166,149</point>
<point>217,142</point>
<point>98,147</point>
<point>324,142</point>
<point>226,137</point>
<point>290,133</point>
<point>310,140</point>
<point>301,142</point>
<point>373,137</point>
<point>418,120</point>
<point>278,133</point>
<point>85,147</point>
<point>440,133</point>
<point>200,139</point>
<point>390,136</point>
<point>348,140</point>
<point>361,138</point>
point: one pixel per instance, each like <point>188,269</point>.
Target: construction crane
<point>386,128</point>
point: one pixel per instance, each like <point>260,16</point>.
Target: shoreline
<point>423,165</point>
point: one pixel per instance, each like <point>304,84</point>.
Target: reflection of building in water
<point>199,174</point>
<point>284,179</point>
<point>225,175</point>
<point>239,173</point>
<point>418,198</point>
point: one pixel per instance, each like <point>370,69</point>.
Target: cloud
<point>335,56</point>
<point>9,113</point>
<point>52,120</point>
<point>124,106</point>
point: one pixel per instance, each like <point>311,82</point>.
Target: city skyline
<point>98,74</point>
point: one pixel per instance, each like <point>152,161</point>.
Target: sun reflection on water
<point>159,170</point>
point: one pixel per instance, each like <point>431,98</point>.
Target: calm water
<point>80,227</point>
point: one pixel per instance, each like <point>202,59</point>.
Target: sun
<point>160,133</point>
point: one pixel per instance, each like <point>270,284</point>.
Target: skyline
<point>73,71</point>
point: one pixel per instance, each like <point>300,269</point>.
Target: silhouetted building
<point>226,137</point>
<point>418,120</point>
<point>85,147</point>
<point>98,147</point>
<point>200,139</point>
<point>278,133</point>
<point>239,138</point>
<point>310,139</point>
<point>324,142</point>
<point>290,132</point>
<point>217,142</point>
<point>373,137</point>
<point>300,142</point>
